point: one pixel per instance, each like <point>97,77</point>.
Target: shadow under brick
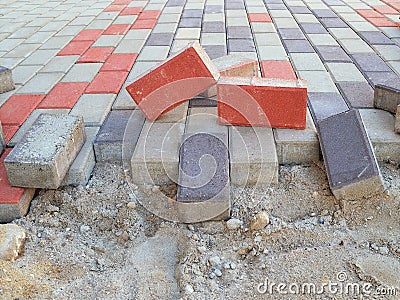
<point>202,102</point>
<point>357,94</point>
<point>324,105</point>
<point>370,62</point>
<point>333,54</point>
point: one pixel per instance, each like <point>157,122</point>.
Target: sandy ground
<point>98,242</point>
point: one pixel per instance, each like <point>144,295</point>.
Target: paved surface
<point>79,55</point>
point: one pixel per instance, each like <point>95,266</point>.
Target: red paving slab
<point>88,35</point>
<point>386,10</point>
<point>144,24</point>
<point>149,14</point>
<point>18,108</point>
<point>369,13</point>
<point>9,131</point>
<point>107,82</point>
<point>96,55</point>
<point>121,2</point>
<point>117,29</point>
<point>64,95</point>
<point>8,193</point>
<point>75,48</point>
<point>119,62</point>
<point>131,11</point>
<point>115,7</point>
<point>381,22</point>
<point>277,69</point>
<point>259,18</point>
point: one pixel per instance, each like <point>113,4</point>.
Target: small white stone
<point>131,205</point>
<point>189,289</point>
<point>84,228</point>
<point>214,261</point>
<point>218,272</point>
<point>233,224</point>
<point>233,266</point>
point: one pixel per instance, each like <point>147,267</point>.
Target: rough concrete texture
<point>32,118</point>
<point>379,125</point>
<point>178,114</point>
<point>2,140</point>
<point>14,201</point>
<point>6,81</point>
<point>253,157</point>
<point>82,167</point>
<point>386,98</point>
<point>12,241</point>
<point>118,136</point>
<point>233,65</point>
<point>196,74</point>
<point>397,121</point>
<point>348,156</point>
<point>156,156</point>
<point>262,102</point>
<point>204,119</point>
<point>204,177</point>
<point>43,156</point>
<point>298,146</point>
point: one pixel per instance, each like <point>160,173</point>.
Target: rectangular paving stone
<point>333,23</point>
<point>380,126</point>
<point>345,72</point>
<point>386,98</point>
<point>333,54</point>
<point>324,105</point>
<point>291,33</point>
<point>153,53</point>
<point>239,32</point>
<point>190,23</point>
<point>241,45</point>
<point>313,28</point>
<point>353,46</point>
<point>213,27</point>
<point>6,80</point>
<point>160,39</point>
<point>357,94</point>
<point>375,38</point>
<point>43,156</point>
<point>210,197</point>
<point>298,46</point>
<point>215,51</point>
<point>14,201</point>
<point>156,156</point>
<point>94,108</point>
<point>168,81</point>
<point>84,163</point>
<point>350,162</point>
<point>118,136</point>
<point>233,65</point>
<point>298,146</point>
<point>175,115</point>
<point>270,102</point>
<point>253,156</point>
<point>30,120</point>
<point>307,62</point>
<point>41,83</point>
<point>389,79</point>
<point>370,62</point>
<point>318,81</point>
<point>22,74</point>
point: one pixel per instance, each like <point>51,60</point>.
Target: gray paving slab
<point>324,105</point>
<point>82,72</point>
<point>94,108</point>
<point>43,156</point>
<point>357,94</point>
<point>41,83</point>
<point>351,166</point>
<point>118,136</point>
<point>60,64</point>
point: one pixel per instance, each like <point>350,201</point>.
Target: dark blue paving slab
<point>375,38</point>
<point>111,140</point>
<point>324,13</point>
<point>213,27</point>
<point>357,94</point>
<point>241,45</point>
<point>333,23</point>
<point>389,79</point>
<point>298,46</point>
<point>239,32</point>
<point>324,105</point>
<point>313,28</point>
<point>350,162</point>
<point>196,184</point>
<point>299,10</point>
<point>291,34</point>
<point>332,54</point>
<point>190,23</point>
<point>192,13</point>
<point>160,39</point>
<point>215,51</point>
<point>370,62</point>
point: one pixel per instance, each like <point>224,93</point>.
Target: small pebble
<point>131,205</point>
<point>84,228</point>
<point>260,221</point>
<point>189,289</point>
<point>218,272</point>
<point>233,265</point>
<point>321,221</point>
<point>214,261</point>
<point>233,224</point>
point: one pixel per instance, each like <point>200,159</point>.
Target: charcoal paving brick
<point>389,79</point>
<point>370,62</point>
<point>351,166</point>
<point>215,51</point>
<point>375,38</point>
<point>386,98</point>
<point>313,28</point>
<point>118,136</point>
<point>333,23</point>
<point>333,54</point>
<point>299,10</point>
<point>357,94</point>
<point>6,80</point>
<point>298,46</point>
<point>160,39</point>
<point>241,45</point>
<point>324,13</point>
<point>324,105</point>
<point>239,32</point>
<point>43,156</point>
<point>213,27</point>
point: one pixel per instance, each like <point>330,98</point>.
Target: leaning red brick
<point>262,102</point>
<point>179,78</point>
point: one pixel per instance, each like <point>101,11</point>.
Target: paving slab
<point>6,80</point>
<point>204,119</point>
<point>14,201</point>
<point>43,156</point>
<point>253,156</point>
<point>204,175</point>
<point>324,105</point>
<point>357,94</point>
<point>350,162</point>
<point>298,146</point>
<point>156,156</point>
<point>84,163</point>
<point>380,126</point>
